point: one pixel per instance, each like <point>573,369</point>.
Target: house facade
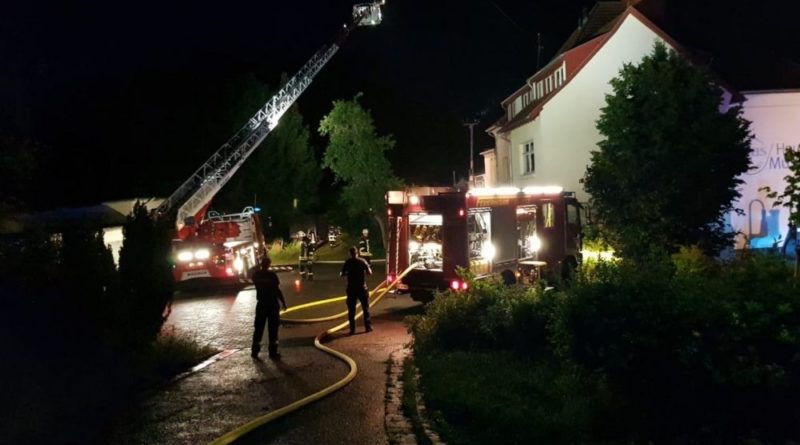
<point>547,132</point>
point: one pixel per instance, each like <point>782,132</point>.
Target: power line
<point>508,17</point>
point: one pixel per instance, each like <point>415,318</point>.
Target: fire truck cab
<point>220,247</point>
<point>532,232</point>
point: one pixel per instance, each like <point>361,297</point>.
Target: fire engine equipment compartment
<point>425,241</point>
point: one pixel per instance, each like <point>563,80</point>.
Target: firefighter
<point>356,269</point>
<point>363,246</point>
<point>307,248</point>
<point>269,295</point>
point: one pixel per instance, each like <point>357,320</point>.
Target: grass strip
<point>409,401</point>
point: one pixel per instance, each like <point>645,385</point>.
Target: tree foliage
<point>790,197</point>
<point>19,161</point>
<point>282,176</point>
<point>145,275</point>
<point>357,156</point>
<point>667,170</point>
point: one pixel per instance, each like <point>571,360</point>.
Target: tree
<point>667,170</point>
<point>19,162</point>
<point>282,176</point>
<point>146,281</point>
<point>790,197</point>
<point>357,157</point>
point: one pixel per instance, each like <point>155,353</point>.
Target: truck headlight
<point>185,256</point>
<point>202,254</point>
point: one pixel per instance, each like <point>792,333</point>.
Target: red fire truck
<point>532,232</point>
<point>224,246</point>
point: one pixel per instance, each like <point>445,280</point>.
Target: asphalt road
<point>236,389</point>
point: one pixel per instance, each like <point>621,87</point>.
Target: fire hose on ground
<point>380,290</point>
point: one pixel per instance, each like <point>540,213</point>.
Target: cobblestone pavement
<point>232,391</point>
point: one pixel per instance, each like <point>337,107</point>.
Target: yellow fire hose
<point>241,430</point>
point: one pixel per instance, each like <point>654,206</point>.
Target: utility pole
<point>471,125</point>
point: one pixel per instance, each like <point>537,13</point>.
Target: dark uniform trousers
<point>359,295</point>
<point>267,313</point>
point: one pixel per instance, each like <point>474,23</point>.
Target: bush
<point>680,350</point>
<point>699,351</point>
<point>489,316</point>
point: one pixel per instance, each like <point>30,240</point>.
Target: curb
<point>399,427</point>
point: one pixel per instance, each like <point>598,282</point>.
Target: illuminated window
<point>528,161</point>
<point>425,241</point>
<point>548,215</point>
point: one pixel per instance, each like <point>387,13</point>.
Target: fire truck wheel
<point>568,267</point>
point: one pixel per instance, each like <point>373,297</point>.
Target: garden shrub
<point>679,349</point>
<point>145,277</point>
<point>489,316</point>
<point>699,351</point>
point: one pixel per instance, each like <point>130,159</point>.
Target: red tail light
<point>459,285</point>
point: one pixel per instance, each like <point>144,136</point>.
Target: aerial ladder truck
<point>227,246</point>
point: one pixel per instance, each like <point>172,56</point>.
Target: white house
<point>548,129</point>
<point>775,123</point>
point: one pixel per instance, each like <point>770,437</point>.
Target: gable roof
<point>599,21</point>
<point>603,28</point>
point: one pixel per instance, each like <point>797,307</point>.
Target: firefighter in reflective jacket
<point>307,249</point>
<point>363,246</point>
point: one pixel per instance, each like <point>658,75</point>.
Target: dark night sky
<point>105,84</point>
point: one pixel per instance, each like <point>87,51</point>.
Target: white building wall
<point>775,124</point>
<point>564,133</point>
<point>502,167</point>
<point>490,168</point>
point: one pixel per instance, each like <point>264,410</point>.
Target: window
<point>425,241</point>
<point>528,242</point>
<point>573,214</point>
<point>479,232</point>
<point>528,161</point>
<point>548,215</point>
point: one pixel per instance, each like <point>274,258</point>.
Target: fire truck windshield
<point>425,240</point>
